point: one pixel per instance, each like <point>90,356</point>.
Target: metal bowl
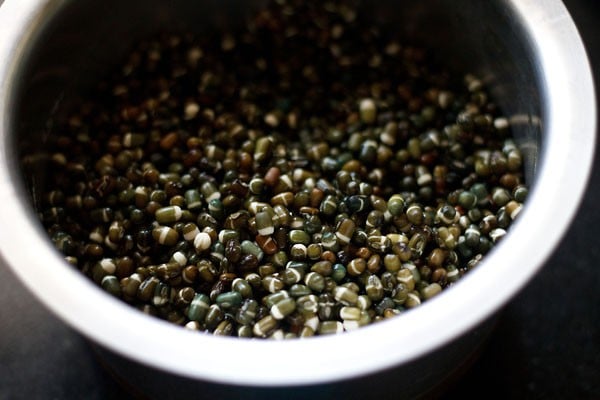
<point>528,53</point>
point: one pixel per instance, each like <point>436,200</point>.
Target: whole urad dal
<point>307,174</point>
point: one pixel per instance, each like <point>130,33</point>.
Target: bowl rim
<point>570,107</point>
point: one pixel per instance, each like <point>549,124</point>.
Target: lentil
<point>250,204</point>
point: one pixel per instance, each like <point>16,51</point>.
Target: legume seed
<point>356,266</point>
<point>229,300</point>
<point>214,316</point>
<point>249,247</point>
<point>345,230</point>
<point>202,242</point>
<point>198,307</point>
<point>412,300</point>
<point>265,326</point>
<point>338,272</point>
<point>165,235</point>
<point>368,111</point>
<point>374,288</point>
<point>272,284</point>
<point>330,327</point>
<point>110,283</point>
<point>283,308</point>
<point>168,215</point>
<point>497,234</point>
<point>314,281</point>
<point>224,328</point>
<point>345,296</point>
<point>264,224</point>
<point>299,236</point>
<point>431,290</point>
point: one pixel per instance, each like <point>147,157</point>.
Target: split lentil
<point>301,177</point>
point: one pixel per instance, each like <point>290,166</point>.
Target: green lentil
<point>520,193</point>
<point>364,302</point>
<point>323,268</point>
<point>350,313</point>
<point>379,243</point>
<point>237,205</point>
<point>368,111</point>
<point>216,208</point>
<point>299,290</point>
<point>447,214</point>
<point>500,196</point>
<point>283,308</point>
<point>414,214</point>
<point>193,326</point>
<point>214,316</point>
<point>247,312</point>
<point>129,285</point>
<point>165,235</point>
<point>272,284</point>
<point>452,273</point>
<point>274,298</point>
<point>202,241</point>
<point>161,294</point>
<point>395,205</point>
<point>412,300</point>
<point>374,288</point>
<point>198,307</point>
<point>314,281</point>
<point>190,231</point>
<point>265,326</point>
<point>330,327</point>
<point>311,321</point>
<point>497,234</point>
<point>291,276</point>
<point>209,191</point>
<point>242,287</point>
<point>385,304</point>
<point>430,290</point>
<point>102,268</point>
<point>513,208</point>
<point>407,277</point>
<point>356,267</point>
<point>250,247</point>
<point>307,305</point>
<point>168,215</point>
<point>345,230</point>
<point>229,300</point>
<point>328,206</point>
<point>228,234</point>
<point>264,224</point>
<point>392,262</point>
<point>298,251</point>
<point>299,236</point>
<point>329,241</point>
<point>225,328</point>
<point>111,284</point>
<point>314,251</point>
<point>400,293</point>
<point>345,295</point>
<point>338,272</point>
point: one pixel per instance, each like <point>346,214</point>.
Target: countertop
<point>546,344</point>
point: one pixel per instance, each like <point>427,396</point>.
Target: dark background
<point>546,344</point>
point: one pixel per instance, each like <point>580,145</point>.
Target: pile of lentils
<point>308,174</point>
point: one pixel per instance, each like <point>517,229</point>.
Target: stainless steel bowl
<point>528,53</point>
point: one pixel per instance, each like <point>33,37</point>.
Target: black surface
<point>546,345</point>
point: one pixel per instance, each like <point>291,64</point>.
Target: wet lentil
<point>254,205</point>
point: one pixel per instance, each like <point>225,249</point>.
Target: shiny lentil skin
<point>286,180</point>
